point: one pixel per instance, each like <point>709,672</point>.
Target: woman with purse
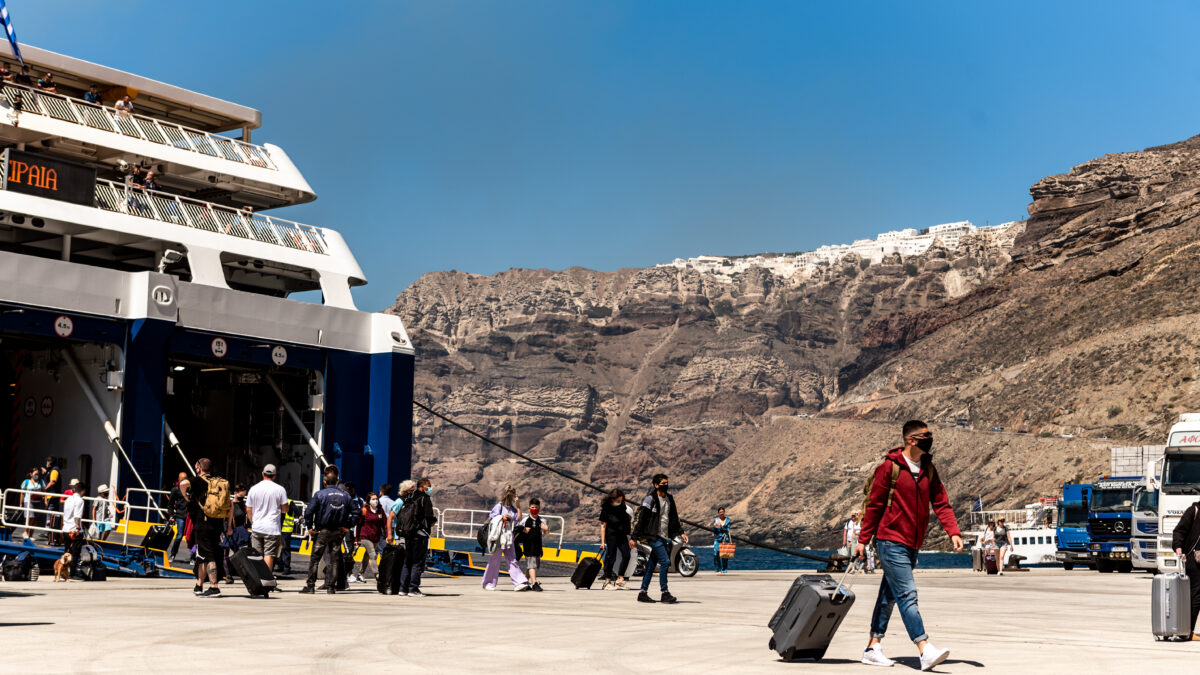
<point>722,542</point>
<point>499,540</point>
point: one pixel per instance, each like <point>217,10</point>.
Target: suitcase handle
<point>837,591</point>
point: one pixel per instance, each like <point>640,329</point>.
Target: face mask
<point>925,444</point>
<point>663,487</point>
<point>429,490</point>
<point>374,502</point>
<point>533,511</point>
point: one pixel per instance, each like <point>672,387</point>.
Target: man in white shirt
<point>265,504</point>
<point>73,521</point>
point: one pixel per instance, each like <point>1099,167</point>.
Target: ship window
<point>1041,540</point>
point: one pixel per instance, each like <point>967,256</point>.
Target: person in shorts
<point>265,505</point>
<point>206,531</point>
<point>533,527</point>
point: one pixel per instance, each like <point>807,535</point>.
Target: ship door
<point>233,416</point>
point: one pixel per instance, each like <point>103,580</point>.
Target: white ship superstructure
<point>164,306</point>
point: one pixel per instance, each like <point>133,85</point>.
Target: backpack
<point>409,516</point>
<point>867,493</point>
<point>216,501</point>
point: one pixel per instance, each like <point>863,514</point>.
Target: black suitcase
<point>343,579</point>
<point>158,537</point>
<point>19,568</point>
<point>810,614</point>
<point>387,580</point>
<point>585,573</point>
<point>93,570</point>
<point>253,570</point>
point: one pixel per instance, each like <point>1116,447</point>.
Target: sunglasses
<point>922,436</point>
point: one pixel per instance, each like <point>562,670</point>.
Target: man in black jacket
<point>415,526</point>
<point>657,524</point>
<point>328,518</point>
<point>1184,539</point>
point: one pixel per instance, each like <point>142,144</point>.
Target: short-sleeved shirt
<point>852,530</point>
<point>73,513</point>
<point>266,500</point>
<point>91,97</point>
<point>33,485</point>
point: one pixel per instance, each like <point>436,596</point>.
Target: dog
<point>62,567</point>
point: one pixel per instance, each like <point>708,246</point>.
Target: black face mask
<point>925,444</point>
<point>663,488</point>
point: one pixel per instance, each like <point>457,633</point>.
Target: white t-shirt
<point>72,513</point>
<point>914,467</point>
<point>266,500</point>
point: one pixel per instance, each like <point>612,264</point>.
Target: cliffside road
<point>1045,621</point>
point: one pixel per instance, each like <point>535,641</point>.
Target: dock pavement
<point>1041,621</point>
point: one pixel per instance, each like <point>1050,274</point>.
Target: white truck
<point>1179,486</point>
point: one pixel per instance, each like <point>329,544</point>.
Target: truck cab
<point>1072,532</point>
<point>1110,522</point>
<point>1180,484</point>
<point>1144,542</point>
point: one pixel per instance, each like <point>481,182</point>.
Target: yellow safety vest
<point>289,524</point>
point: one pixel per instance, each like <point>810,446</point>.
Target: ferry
<point>1031,530</point>
<point>145,323</point>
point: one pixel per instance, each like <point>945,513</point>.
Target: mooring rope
<point>591,486</point>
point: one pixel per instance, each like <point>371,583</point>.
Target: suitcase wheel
<point>788,653</point>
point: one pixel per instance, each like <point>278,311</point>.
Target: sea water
<point>752,558</point>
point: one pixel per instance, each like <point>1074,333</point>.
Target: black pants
<point>616,546</point>
<point>1193,572</point>
<point>285,555</point>
<point>415,549</point>
<point>326,541</point>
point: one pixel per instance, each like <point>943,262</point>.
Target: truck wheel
<point>1125,567</point>
<point>1105,566</point>
<point>1068,566</point>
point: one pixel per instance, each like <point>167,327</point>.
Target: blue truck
<point>1110,522</point>
<point>1072,529</point>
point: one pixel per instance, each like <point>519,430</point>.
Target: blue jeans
<point>897,587</point>
<point>658,556</point>
<point>180,523</point>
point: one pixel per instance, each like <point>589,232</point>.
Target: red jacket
<point>907,521</point>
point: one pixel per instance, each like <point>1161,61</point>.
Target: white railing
<point>168,208</point>
<point>155,510</point>
<point>36,504</point>
<point>1012,518</point>
<point>100,117</point>
<point>475,518</point>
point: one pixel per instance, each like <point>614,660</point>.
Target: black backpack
<point>410,516</point>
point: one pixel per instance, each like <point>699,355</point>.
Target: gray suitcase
<point>1171,606</point>
<point>810,614</point>
<point>977,559</point>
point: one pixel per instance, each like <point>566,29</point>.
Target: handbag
<point>726,549</point>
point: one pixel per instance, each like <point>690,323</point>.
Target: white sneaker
<point>358,579</point>
<point>490,587</point>
<point>931,656</point>
<point>874,657</point>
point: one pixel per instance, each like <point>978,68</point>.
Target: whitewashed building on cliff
<point>906,242</point>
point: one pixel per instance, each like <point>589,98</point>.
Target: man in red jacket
<point>897,517</point>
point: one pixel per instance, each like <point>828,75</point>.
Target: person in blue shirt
<point>92,96</point>
<point>720,536</point>
<point>328,517</point>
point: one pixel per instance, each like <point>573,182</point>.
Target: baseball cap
<point>74,481</point>
<point>269,469</point>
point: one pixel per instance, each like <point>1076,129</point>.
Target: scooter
<point>683,558</point>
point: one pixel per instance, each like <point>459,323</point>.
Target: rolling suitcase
<point>977,559</point>
<point>1171,606</point>
<point>989,562</point>
<point>91,564</point>
<point>387,580</point>
<point>158,537</point>
<point>585,572</point>
<point>809,616</point>
<point>253,570</point>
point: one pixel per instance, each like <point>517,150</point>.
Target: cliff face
<point>1092,328</point>
<point>1086,324</point>
<point>613,376</point>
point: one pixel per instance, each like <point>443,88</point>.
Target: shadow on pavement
<point>26,623</point>
<point>915,662</point>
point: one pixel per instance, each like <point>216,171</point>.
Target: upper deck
<point>179,132</point>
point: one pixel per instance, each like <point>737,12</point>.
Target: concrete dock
<point>1044,621</point>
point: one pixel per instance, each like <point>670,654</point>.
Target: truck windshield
<point>1072,514</point>
<point>1181,474</point>
<point>1146,500</point>
<point>1111,501</point>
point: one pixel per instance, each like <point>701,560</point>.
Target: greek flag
<point>12,34</point>
<point>978,502</point>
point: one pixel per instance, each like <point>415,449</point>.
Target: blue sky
<point>481,135</point>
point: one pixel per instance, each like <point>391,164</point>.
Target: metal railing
<point>168,208</point>
<point>97,116</point>
<point>23,513</point>
<point>1012,517</point>
<point>156,507</point>
<point>466,529</point>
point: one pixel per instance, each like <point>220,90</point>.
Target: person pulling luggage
<point>328,518</point>
<point>896,516</point>
<point>1184,539</point>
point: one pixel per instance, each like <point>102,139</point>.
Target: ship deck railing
<point>194,213</point>
<point>97,116</point>
<point>475,518</point>
<point>16,515</point>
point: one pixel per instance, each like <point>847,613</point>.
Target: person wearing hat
<point>850,533</point>
<point>265,504</point>
<point>104,515</point>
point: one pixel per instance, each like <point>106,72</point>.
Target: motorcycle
<point>683,558</point>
